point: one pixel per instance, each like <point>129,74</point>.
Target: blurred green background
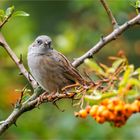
<point>74,26</point>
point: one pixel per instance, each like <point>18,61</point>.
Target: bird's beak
<point>46,43</point>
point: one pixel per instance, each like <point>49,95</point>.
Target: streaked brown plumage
<point>51,69</point>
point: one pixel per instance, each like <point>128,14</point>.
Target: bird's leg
<point>54,103</point>
<point>40,99</point>
<point>69,86</point>
<point>44,96</point>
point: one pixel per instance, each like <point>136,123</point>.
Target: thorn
<point>90,55</point>
<point>20,59</point>
<point>15,124</point>
<point>13,105</point>
<point>20,73</point>
<point>22,94</point>
<point>102,38</point>
<point>54,103</point>
<point>127,23</point>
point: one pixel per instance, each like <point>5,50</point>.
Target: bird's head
<point>42,44</point>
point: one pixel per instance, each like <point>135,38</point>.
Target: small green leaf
<point>98,98</point>
<point>117,63</point>
<point>109,94</point>
<point>1,12</point>
<point>25,97</point>
<point>127,74</point>
<point>137,71</point>
<point>94,66</point>
<point>138,4</point>
<point>134,82</point>
<point>9,11</point>
<point>93,99</point>
<point>20,13</point>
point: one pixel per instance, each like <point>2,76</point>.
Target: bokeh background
<point>74,26</point>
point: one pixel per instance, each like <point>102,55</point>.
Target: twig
<point>17,61</point>
<point>109,12</point>
<point>112,36</point>
<point>17,112</point>
<point>6,19</point>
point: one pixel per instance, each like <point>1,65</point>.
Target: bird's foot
<point>45,97</point>
<point>41,98</point>
<point>64,89</point>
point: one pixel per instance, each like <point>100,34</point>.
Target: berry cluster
<point>112,110</point>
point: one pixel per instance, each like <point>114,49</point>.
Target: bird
<point>50,68</point>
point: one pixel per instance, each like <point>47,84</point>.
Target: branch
<point>109,12</point>
<point>18,111</point>
<point>6,19</point>
<point>104,40</point>
<point>17,61</point>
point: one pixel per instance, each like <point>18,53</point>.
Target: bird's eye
<point>39,42</point>
<point>49,44</point>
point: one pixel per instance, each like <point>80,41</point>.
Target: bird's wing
<point>69,71</point>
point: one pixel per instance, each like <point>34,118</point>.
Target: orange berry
<point>105,114</point>
<point>93,110</point>
<point>127,110</point>
<point>119,121</point>
<point>76,114</point>
<point>115,101</point>
<point>110,106</point>
<point>119,109</point>
<point>101,108</point>
<point>83,113</point>
<point>134,107</point>
<point>105,102</point>
<point>111,116</point>
<point>129,86</point>
<point>139,105</point>
<point>88,108</point>
<point>100,119</point>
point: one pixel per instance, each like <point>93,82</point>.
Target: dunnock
<point>51,69</point>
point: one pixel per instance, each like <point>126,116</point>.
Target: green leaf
<point>20,13</point>
<point>138,4</point>
<point>25,97</point>
<point>117,63</point>
<point>134,82</point>
<point>9,11</point>
<point>94,66</point>
<point>93,99</point>
<point>127,74</point>
<point>137,71</point>
<point>1,13</point>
